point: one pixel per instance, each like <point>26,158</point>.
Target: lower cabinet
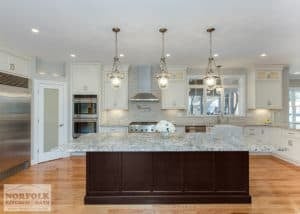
<point>167,177</point>
<point>113,129</point>
<point>285,141</point>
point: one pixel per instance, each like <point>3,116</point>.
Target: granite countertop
<point>134,142</point>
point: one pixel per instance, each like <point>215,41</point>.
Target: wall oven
<point>85,106</point>
<point>84,126</point>
<point>85,116</point>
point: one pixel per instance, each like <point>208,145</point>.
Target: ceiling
<point>244,30</point>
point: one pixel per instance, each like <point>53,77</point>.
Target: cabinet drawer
<point>292,134</point>
<point>112,129</point>
<point>252,131</point>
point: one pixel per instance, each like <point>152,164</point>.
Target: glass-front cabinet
<point>229,101</point>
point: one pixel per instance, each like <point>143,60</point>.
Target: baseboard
<point>296,163</point>
<point>261,153</point>
<point>77,154</point>
<point>14,170</point>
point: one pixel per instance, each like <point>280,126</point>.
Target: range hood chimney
<point>144,85</point>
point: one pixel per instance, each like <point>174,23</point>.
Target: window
<point>294,106</point>
<point>196,101</point>
<point>231,101</point>
<point>213,103</point>
<point>228,102</point>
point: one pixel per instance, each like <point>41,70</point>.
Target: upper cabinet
<point>14,64</point>
<point>115,98</point>
<point>265,88</point>
<point>86,78</point>
<point>174,96</point>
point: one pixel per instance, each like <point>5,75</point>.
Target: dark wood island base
<point>167,177</point>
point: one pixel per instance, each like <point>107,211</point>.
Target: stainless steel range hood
<point>144,78</point>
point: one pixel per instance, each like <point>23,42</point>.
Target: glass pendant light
<point>163,76</point>
<point>212,74</point>
<point>219,85</point>
<point>116,76</point>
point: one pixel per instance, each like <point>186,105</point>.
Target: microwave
<point>85,106</point>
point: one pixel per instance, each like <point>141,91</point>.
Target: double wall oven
<point>85,114</point>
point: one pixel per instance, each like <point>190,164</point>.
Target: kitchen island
<point>124,168</point>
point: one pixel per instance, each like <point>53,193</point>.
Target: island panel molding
<point>167,177</point>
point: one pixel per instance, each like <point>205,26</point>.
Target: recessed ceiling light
<point>122,55</point>
<point>168,55</point>
<point>216,55</point>
<point>263,55</point>
<point>35,30</point>
<point>72,55</point>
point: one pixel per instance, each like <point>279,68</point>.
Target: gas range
<point>142,127</point>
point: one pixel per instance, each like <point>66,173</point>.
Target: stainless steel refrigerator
<point>15,124</point>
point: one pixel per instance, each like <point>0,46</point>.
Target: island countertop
<point>154,142</point>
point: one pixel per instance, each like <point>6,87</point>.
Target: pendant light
<point>212,75</point>
<point>219,85</point>
<point>163,76</point>
<point>116,76</point>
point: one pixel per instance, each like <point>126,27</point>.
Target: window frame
<point>293,106</point>
<point>242,99</point>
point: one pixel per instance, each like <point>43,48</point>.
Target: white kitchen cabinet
<point>285,141</point>
<point>263,135</point>
<point>14,64</point>
<point>268,92</point>
<point>174,96</point>
<point>4,61</point>
<point>113,129</point>
<point>19,65</point>
<point>265,88</point>
<point>115,98</point>
<point>86,78</point>
<point>291,141</point>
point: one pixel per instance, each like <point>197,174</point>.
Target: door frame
<point>37,84</point>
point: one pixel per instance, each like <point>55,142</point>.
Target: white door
<point>51,121</point>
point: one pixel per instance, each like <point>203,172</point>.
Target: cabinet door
<point>116,98</point>
<point>4,61</point>
<point>20,65</point>
<point>86,78</point>
<point>268,89</point>
<point>174,97</point>
<point>167,171</point>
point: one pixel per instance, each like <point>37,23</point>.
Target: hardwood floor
<point>274,186</point>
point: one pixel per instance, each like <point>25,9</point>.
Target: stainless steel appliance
<point>144,85</point>
<point>85,106</point>
<point>142,127</point>
<point>84,126</point>
<point>15,124</point>
<point>85,117</point>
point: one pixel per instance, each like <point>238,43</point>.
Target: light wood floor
<point>274,186</point>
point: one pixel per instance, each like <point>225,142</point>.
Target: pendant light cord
<point>210,44</point>
<point>163,45</point>
<point>116,45</point>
